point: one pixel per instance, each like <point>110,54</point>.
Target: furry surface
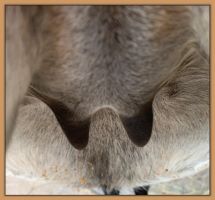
<point>136,75</point>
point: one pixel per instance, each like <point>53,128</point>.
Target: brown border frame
<point>104,2</point>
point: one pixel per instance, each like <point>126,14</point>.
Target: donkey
<point>109,97</point>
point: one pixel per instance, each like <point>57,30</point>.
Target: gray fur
<point>105,63</point>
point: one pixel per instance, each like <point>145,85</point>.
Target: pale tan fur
<point>109,66</point>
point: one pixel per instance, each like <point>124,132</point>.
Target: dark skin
<point>78,132</point>
<point>138,191</point>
